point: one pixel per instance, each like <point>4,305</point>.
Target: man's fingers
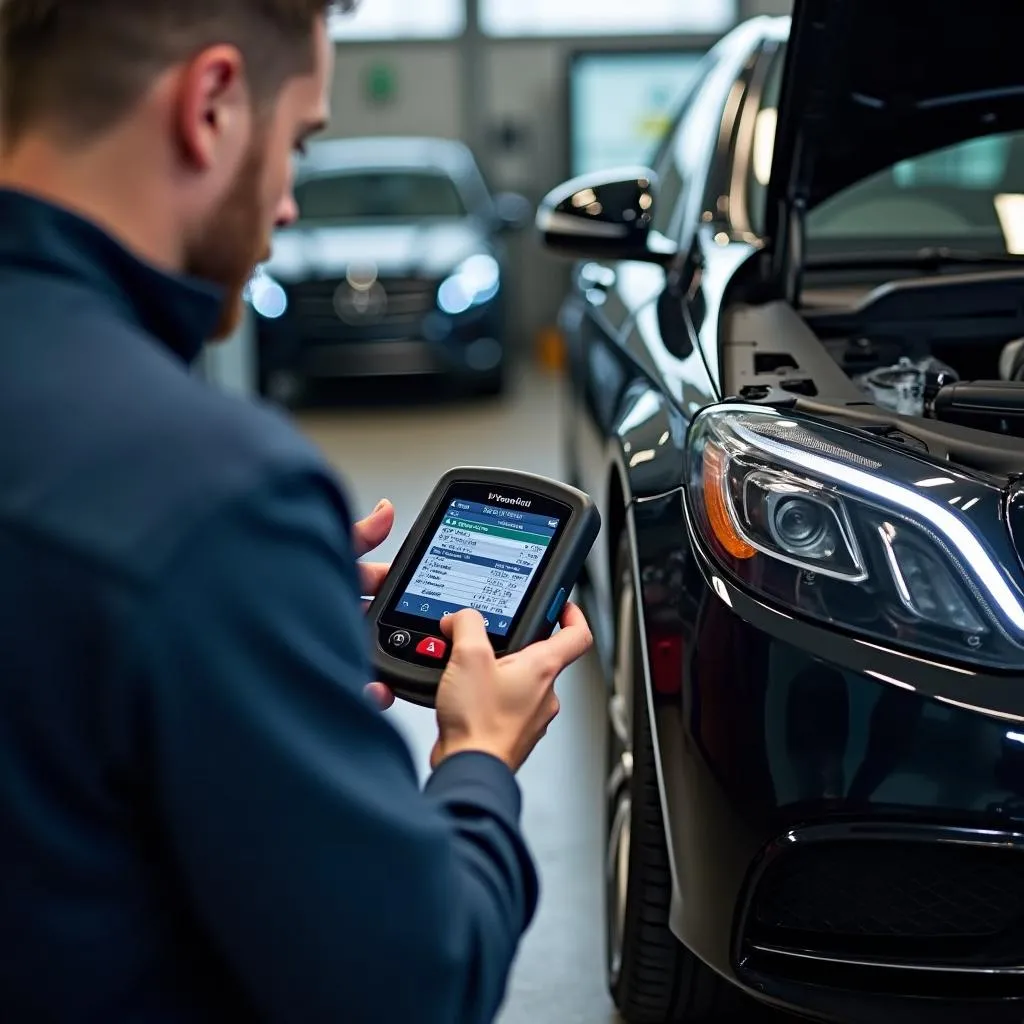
<point>468,635</point>
<point>467,632</point>
<point>554,705</point>
<point>468,623</point>
<point>373,530</point>
<point>371,576</point>
<point>572,616</point>
<point>569,644</point>
<point>381,695</point>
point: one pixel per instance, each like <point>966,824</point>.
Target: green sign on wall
<point>381,84</point>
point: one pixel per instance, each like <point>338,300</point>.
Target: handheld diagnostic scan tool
<point>509,544</point>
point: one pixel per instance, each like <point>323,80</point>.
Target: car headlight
<point>266,296</point>
<point>832,525</point>
<point>475,281</point>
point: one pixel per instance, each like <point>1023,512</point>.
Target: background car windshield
<point>378,195</point>
<point>969,195</point>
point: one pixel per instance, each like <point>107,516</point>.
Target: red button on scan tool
<point>431,647</point>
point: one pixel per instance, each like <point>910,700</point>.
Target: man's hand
<point>381,695</point>
<point>367,534</point>
<point>370,533</point>
<point>501,706</point>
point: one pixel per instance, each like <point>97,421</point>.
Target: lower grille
<point>912,901</point>
<point>395,312</point>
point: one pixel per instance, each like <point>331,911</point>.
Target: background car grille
<point>905,900</point>
<point>408,301</point>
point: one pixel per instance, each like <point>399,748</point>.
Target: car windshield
<point>969,196</point>
<point>378,195</point>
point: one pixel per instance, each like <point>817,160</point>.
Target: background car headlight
<point>475,281</point>
<point>838,527</point>
<point>265,295</point>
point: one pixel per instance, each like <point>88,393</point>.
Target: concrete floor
<point>399,452</point>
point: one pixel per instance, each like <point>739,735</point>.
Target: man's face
<point>237,236</point>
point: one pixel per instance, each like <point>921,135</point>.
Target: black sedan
<point>795,395</point>
<point>396,266</point>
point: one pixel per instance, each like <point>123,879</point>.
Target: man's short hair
<point>82,64</point>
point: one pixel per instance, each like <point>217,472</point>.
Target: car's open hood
<point>871,82</point>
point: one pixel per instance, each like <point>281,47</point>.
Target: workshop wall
<point>515,119</point>
<point>398,89</point>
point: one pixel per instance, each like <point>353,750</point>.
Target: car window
<point>669,191</point>
<point>968,195</point>
<point>670,180</point>
<point>378,195</point>
<point>764,144</point>
<point>688,151</point>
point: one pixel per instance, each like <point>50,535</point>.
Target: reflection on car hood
<point>869,83</point>
<point>425,249</point>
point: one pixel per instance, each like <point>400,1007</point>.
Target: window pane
<point>378,196</point>
<point>980,163</point>
<point>765,126</point>
<point>604,17</point>
<point>970,194</point>
<point>623,104</point>
<point>400,19</point>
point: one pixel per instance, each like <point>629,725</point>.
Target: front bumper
<point>478,357</point>
<point>845,843</point>
<point>312,340</point>
<point>407,357</point>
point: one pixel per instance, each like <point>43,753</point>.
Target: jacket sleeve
<point>334,886</point>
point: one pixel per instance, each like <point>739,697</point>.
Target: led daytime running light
<point>940,517</point>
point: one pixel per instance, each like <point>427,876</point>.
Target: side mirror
<point>512,211</point>
<point>605,216</point>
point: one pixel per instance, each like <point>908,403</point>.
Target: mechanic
<point>205,814</point>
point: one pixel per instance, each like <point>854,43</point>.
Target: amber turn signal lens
<point>715,502</point>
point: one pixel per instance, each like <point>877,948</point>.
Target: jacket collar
<point>179,311</point>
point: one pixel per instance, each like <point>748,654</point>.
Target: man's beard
<point>233,242</point>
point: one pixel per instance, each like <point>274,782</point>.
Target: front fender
<point>647,456</point>
<point>647,444</point>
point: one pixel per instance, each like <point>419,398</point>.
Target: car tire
<point>653,978</point>
<point>493,385</point>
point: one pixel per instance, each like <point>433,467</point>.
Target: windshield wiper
<point>928,258</point>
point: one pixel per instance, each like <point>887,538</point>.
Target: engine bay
<point>903,341</point>
<point>939,357</point>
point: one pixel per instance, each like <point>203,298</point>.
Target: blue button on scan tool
<point>556,606</point>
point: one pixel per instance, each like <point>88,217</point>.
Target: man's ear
<point>212,111</point>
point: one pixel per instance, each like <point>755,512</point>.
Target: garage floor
<point>399,451</point>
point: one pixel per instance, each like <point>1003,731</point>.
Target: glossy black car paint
<point>769,731</point>
<point>758,717</point>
